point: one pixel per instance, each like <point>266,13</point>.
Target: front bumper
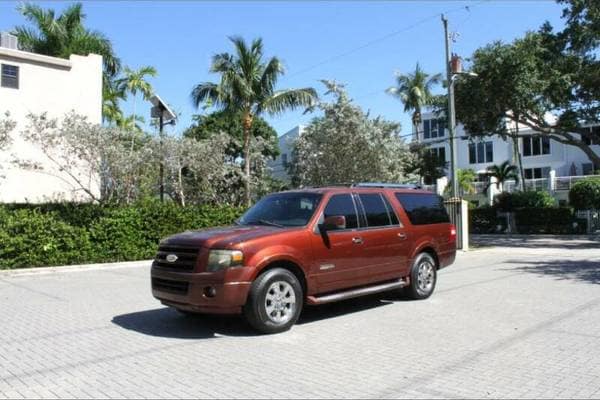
<point>223,292</point>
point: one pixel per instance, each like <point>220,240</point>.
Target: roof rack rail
<point>387,185</point>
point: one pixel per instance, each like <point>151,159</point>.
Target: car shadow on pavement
<point>579,270</point>
<point>166,322</point>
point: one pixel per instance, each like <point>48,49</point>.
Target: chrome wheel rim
<point>280,302</point>
<point>425,276</point>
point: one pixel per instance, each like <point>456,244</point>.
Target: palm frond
<point>288,99</point>
<point>207,91</point>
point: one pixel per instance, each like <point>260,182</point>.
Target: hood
<point>221,237</point>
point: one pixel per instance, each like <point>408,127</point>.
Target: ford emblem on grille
<point>171,258</point>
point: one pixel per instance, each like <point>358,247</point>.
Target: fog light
<point>210,291</point>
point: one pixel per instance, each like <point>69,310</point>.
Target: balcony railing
<point>567,182</point>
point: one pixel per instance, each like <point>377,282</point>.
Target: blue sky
<point>179,38</point>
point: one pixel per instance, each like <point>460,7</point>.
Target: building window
<point>284,160</point>
<point>587,169</point>
<point>481,152</point>
<point>433,128</point>
<point>536,145</point>
<point>536,173</point>
<point>439,153</point>
<point>10,76</point>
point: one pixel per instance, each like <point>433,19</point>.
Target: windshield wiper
<point>266,222</point>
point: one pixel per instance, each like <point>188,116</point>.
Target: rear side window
<point>376,210</point>
<point>423,208</point>
<point>342,204</point>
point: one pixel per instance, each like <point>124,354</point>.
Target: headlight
<point>221,259</point>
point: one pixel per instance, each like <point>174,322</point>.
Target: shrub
<point>530,199</point>
<point>485,220</point>
<point>59,234</point>
<point>585,194</point>
<point>548,220</point>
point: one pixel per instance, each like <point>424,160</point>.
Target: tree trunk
<point>247,123</point>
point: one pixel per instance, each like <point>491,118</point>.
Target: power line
<point>381,39</point>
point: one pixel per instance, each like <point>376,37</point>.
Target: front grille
<point>186,257</point>
<point>166,285</point>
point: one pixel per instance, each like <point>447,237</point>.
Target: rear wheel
<point>423,277</point>
<point>275,301</point>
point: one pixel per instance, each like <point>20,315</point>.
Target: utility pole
<point>451,113</point>
<point>162,165</point>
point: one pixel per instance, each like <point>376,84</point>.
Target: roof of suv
<point>346,189</point>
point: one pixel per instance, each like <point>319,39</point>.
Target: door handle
<point>402,235</point>
<point>357,240</point>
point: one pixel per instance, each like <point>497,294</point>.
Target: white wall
<point>55,86</point>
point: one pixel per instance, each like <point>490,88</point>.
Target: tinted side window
<point>375,209</point>
<point>393,216</point>
<point>342,204</point>
<point>423,208</point>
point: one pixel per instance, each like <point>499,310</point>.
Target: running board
<point>348,294</point>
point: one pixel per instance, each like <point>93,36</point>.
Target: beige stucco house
<point>34,83</point>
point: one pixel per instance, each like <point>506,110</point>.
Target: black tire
<point>275,282</point>
<point>423,290</point>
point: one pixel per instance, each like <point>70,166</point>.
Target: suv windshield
<point>282,209</point>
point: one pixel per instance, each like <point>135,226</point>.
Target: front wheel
<point>423,277</point>
<point>274,302</point>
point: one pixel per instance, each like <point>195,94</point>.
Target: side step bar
<point>348,294</point>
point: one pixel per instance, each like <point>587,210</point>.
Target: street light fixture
<point>165,117</point>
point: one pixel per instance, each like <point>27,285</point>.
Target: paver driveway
<point>516,321</point>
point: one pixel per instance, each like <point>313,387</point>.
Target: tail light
<point>452,233</point>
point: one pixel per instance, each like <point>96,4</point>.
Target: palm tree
<point>112,94</point>
<point>465,178</point>
<point>134,81</point>
<point>247,88</point>
<point>63,35</point>
<point>414,91</point>
<point>502,173</point>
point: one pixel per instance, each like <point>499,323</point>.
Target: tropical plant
<point>208,125</point>
<point>112,95</point>
<point>247,88</point>
<point>502,173</point>
<point>134,81</point>
<point>63,35</point>
<point>346,145</point>
<point>414,91</point>
<point>465,178</point>
<point>6,126</point>
<point>423,163</point>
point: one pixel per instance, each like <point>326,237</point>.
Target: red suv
<point>310,246</point>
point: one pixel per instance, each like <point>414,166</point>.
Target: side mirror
<point>334,222</point>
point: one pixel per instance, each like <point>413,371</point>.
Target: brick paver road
<point>521,320</point>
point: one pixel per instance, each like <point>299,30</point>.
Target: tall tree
<point>546,81</point>
<point>347,145</point>
<point>414,91</point>
<point>208,125</point>
<point>134,81</point>
<point>247,88</point>
<point>63,35</point>
<point>112,95</point>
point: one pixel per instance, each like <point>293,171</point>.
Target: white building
<point>543,159</point>
<point>286,142</point>
<point>33,83</point>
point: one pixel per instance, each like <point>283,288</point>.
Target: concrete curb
<point>74,268</point>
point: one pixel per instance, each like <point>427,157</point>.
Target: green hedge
<point>548,220</point>
<point>62,234</point>
<point>585,194</point>
<point>532,220</point>
<point>507,202</point>
<point>485,220</point>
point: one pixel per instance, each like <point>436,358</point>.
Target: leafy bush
<point>585,194</point>
<point>485,220</point>
<point>548,220</point>
<point>530,199</point>
<point>60,234</point>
